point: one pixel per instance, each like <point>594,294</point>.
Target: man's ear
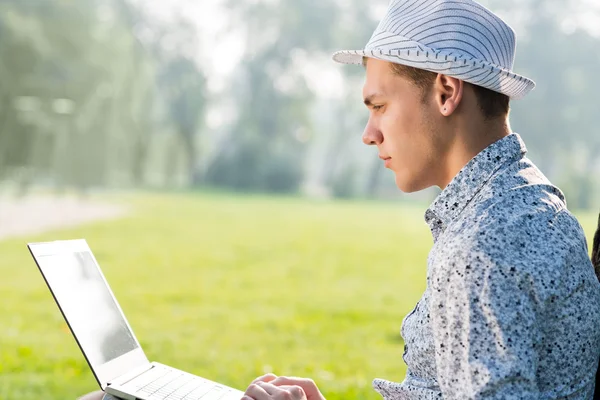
<point>448,93</point>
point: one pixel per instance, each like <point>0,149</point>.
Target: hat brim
<point>477,72</point>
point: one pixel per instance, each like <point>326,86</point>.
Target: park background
<point>210,152</point>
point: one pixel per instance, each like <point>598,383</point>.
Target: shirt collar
<point>469,181</point>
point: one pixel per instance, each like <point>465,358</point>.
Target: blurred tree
<point>87,87</point>
<point>65,70</point>
<point>274,126</point>
<point>180,82</point>
<point>183,88</point>
<point>267,144</point>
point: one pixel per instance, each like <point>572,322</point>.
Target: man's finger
<point>256,392</point>
<point>265,378</point>
<point>307,385</point>
<point>272,390</point>
<point>292,381</point>
<point>296,391</point>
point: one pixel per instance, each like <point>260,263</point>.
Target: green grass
<point>230,287</point>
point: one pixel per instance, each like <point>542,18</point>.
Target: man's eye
<point>377,108</point>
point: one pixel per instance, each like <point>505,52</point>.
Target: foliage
<point>266,143</point>
<point>102,93</point>
<point>81,92</point>
<point>67,67</point>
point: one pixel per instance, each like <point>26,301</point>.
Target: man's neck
<point>470,141</point>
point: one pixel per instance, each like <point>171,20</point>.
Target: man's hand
<point>271,387</point>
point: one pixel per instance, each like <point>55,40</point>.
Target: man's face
<point>403,124</point>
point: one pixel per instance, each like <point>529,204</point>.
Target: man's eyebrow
<point>369,99</point>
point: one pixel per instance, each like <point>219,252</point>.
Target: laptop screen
<point>88,305</point>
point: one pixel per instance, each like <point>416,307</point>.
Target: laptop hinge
<point>123,379</point>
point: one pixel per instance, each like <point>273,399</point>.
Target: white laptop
<point>104,335</point>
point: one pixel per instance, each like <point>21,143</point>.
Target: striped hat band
<point>458,38</point>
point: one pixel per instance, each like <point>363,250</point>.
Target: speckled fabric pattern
<point>511,308</point>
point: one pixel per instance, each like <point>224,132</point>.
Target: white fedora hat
<point>458,38</point>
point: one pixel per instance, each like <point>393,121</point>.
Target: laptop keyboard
<point>170,384</point>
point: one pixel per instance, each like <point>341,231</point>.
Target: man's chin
<point>410,185</point>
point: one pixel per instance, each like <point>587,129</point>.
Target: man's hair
<point>492,104</point>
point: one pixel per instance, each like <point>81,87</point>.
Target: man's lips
<point>387,160</point>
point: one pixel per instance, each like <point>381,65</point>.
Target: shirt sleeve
<point>484,323</point>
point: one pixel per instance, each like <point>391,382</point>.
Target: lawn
<point>231,287</point>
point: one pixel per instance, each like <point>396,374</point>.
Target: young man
<point>512,304</point>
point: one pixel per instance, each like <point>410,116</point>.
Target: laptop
<point>103,334</point>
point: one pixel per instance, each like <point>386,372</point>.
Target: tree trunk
<point>140,153</point>
<point>333,153</point>
<point>189,143</point>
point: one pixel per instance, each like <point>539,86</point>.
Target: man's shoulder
<point>530,221</point>
<point>538,246</point>
<point>522,185</point>
<point>519,218</point>
<point>519,228</point>
<point>522,199</point>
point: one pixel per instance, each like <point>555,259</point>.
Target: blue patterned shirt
<point>511,308</point>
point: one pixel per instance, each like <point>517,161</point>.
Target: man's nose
<point>372,136</point>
